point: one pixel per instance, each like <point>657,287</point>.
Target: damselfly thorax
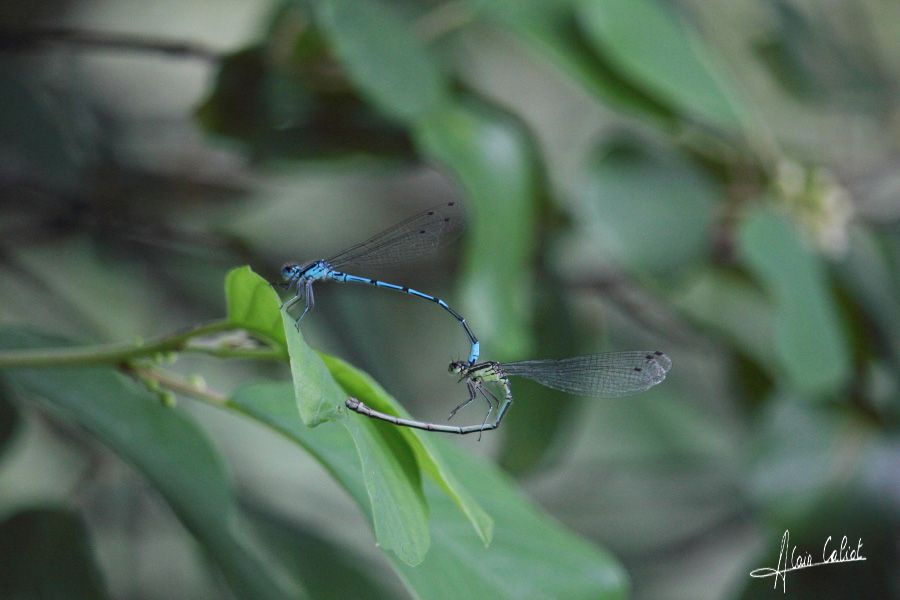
<point>489,371</point>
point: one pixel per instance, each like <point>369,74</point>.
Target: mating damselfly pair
<point>607,375</point>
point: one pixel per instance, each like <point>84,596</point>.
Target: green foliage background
<point>715,180</point>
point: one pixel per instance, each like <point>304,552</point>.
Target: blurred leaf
<point>10,420</point>
<point>781,50</point>
<point>254,305</point>
<point>809,341</point>
<point>362,386</point>
<point>531,555</point>
<point>238,104</point>
<point>652,210</point>
<point>551,27</point>
<point>279,108</point>
<point>796,455</point>
<point>163,445</point>
<point>36,141</point>
<point>47,553</point>
<point>389,468</point>
<point>734,310</point>
<point>328,571</point>
<point>380,53</point>
<point>652,47</point>
<point>819,63</point>
<point>868,273</point>
<point>491,154</point>
<point>287,97</point>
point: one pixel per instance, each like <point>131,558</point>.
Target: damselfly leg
<point>471,387</point>
<point>310,299</point>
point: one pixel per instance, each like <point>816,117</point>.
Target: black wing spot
<point>422,231</point>
<point>649,357</point>
<point>451,203</point>
<point>638,369</point>
<point>658,353</point>
<point>430,212</point>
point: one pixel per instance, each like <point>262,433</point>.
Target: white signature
<point>794,561</point>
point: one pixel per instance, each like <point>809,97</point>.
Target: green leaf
<point>328,571</point>
<point>650,211</point>
<point>391,476</point>
<point>319,398</point>
<point>531,555</point>
<point>492,156</point>
<point>361,386</point>
<point>162,444</point>
<point>809,342</point>
<point>654,48</point>
<point>46,553</point>
<point>253,305</point>
<point>381,55</point>
<point>389,468</point>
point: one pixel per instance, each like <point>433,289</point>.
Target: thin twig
<point>241,353</point>
<point>24,40</point>
<point>631,299</point>
<point>123,352</point>
<point>180,385</point>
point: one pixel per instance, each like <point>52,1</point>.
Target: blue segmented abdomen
<point>347,278</point>
<point>420,294</point>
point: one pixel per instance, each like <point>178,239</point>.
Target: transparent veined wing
<point>606,375</point>
<point>412,238</point>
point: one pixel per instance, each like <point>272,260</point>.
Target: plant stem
<point>243,353</point>
<point>181,385</point>
<point>113,353</point>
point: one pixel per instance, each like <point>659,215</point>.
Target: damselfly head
<point>457,367</point>
<point>289,271</point>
